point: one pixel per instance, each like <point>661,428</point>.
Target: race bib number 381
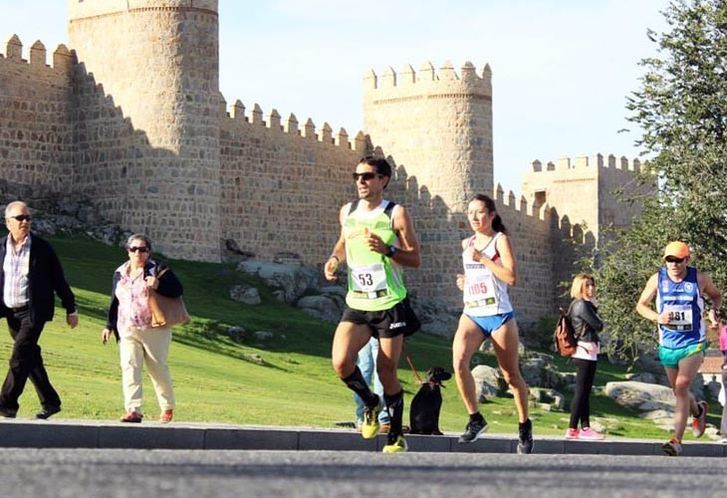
<point>680,316</point>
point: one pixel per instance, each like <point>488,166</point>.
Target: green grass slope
<point>284,381</point>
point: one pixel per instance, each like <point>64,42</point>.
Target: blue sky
<point>561,68</point>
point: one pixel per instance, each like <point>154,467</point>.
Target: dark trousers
<point>26,361</point>
<point>580,408</point>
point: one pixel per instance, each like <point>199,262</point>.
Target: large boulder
<point>245,295</point>
<point>291,281</point>
<point>549,400</point>
<point>436,318</point>
<point>488,382</point>
<point>324,307</point>
<point>540,371</point>
<point>641,396</point>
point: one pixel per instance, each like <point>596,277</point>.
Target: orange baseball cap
<point>676,249</point>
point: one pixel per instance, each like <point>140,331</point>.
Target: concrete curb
<point>88,434</point>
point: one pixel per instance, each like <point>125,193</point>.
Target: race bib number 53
<point>369,278</point>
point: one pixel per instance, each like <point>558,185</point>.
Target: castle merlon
<point>582,162</point>
<point>508,203</point>
<point>428,79</point>
<point>63,59</point>
<point>274,122</point>
<point>79,10</point>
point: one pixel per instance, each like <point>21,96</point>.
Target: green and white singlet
<point>375,282</point>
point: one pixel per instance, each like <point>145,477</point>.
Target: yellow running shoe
<point>398,446</point>
<point>370,426</point>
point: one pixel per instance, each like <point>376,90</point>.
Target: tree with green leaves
<point>681,107</point>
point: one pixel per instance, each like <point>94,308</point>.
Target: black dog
<point>427,403</point>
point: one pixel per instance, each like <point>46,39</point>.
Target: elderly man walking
<point>30,274</point>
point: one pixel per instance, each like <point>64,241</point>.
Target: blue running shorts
<point>489,324</point>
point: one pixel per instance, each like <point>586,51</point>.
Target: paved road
<point>185,473</point>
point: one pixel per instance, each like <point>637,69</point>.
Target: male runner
<point>678,289</point>
<point>377,240</point>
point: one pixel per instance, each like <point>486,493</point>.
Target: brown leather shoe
<point>132,417</point>
<point>166,416</point>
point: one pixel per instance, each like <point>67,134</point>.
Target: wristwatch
<point>392,251</point>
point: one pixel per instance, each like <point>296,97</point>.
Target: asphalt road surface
<point>41,473</point>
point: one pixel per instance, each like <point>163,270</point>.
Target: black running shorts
<point>393,322</point>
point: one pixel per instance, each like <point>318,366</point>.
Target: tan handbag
<point>166,311</point>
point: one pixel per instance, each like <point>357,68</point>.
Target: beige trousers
<point>151,345</point>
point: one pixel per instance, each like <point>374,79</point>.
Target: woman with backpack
<point>583,315</point>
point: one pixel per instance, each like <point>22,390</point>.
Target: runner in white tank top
<point>484,293</point>
<point>489,267</point>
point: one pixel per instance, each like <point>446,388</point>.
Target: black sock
<point>476,417</point>
<point>395,407</point>
<point>357,384</point>
<point>525,427</point>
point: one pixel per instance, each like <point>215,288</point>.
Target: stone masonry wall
<point>584,189</point>
<point>282,189</point>
<point>158,60</point>
<point>36,135</point>
<point>438,125</point>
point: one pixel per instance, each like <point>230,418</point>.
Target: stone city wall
<point>158,60</point>
<point>282,185</point>
<point>586,188</point>
<point>36,136</point>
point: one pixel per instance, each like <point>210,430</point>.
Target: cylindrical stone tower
<point>437,125</point>
<point>158,60</point>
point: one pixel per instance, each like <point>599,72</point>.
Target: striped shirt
<point>16,267</point>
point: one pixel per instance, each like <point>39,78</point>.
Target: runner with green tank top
<point>377,241</point>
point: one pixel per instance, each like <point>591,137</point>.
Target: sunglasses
<point>141,249</point>
<point>22,217</point>
<point>672,259</point>
<point>365,176</point>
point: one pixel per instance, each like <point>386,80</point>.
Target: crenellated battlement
<point>291,126</point>
<point>80,9</point>
<point>584,162</point>
<point>445,82</point>
<point>63,59</point>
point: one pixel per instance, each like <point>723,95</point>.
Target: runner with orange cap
<point>678,289</point>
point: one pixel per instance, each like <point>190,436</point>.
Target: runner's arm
<point>643,306</point>
<point>507,271</point>
<point>708,288</point>
<point>409,254</point>
<point>338,254</point>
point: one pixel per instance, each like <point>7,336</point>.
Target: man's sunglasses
<point>365,176</point>
<point>22,217</point>
<point>672,259</point>
<point>141,249</point>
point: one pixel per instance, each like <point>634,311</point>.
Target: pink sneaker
<point>571,434</point>
<point>588,433</point>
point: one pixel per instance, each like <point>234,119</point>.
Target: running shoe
<point>672,447</point>
<point>525,438</point>
<point>396,446</point>
<point>699,423</point>
<point>571,433</point>
<point>474,429</point>
<point>590,434</point>
<point>166,416</point>
<point>371,426</point>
